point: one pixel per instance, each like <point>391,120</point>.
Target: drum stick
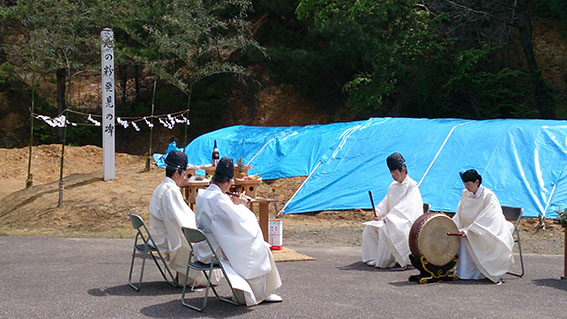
<point>455,234</point>
<point>372,202</point>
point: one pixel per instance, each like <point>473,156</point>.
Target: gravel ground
<point>345,229</point>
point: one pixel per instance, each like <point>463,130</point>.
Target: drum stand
<point>432,273</point>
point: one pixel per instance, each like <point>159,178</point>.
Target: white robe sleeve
<point>382,207</point>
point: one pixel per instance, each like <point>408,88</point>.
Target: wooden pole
<point>148,158</point>
<point>61,183</point>
<point>29,180</point>
<point>564,255</point>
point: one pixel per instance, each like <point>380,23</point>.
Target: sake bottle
<point>215,157</point>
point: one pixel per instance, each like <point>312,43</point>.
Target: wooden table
<point>210,169</point>
<point>248,186</point>
<point>190,189</point>
<point>264,212</point>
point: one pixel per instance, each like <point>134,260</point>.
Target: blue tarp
<point>522,161</point>
<point>273,152</point>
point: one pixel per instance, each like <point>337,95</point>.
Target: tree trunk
<point>137,84</point>
<point>123,69</point>
<point>525,29</point>
<point>60,97</point>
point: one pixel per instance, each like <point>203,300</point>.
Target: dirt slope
<point>91,207</point>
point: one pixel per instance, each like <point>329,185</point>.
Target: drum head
<point>434,244</point>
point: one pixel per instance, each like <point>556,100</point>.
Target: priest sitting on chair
<point>486,235</point>
<point>235,234</point>
<point>168,212</point>
<point>385,239</point>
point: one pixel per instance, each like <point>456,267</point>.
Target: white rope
<point>344,136</point>
<point>548,201</point>
<point>168,120</point>
<point>297,191</point>
<point>439,151</point>
<point>266,144</point>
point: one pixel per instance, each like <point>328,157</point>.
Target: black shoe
<point>397,267</point>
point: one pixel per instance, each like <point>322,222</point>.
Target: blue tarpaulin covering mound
<point>523,161</point>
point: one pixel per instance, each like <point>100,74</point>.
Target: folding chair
<point>146,248</point>
<point>426,207</point>
<point>194,236</point>
<point>514,214</point>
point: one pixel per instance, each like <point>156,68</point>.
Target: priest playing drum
<point>486,236</point>
<point>385,239</point>
<point>237,238</point>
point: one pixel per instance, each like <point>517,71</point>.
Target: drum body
<point>428,238</point>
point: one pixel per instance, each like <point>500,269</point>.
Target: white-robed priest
<point>168,213</point>
<point>486,236</point>
<point>385,239</point>
<point>236,237</point>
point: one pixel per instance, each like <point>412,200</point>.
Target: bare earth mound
<point>94,208</point>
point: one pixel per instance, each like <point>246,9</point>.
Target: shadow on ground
<point>151,288</point>
<point>560,284</point>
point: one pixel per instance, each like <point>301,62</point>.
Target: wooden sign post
<point>108,122</point>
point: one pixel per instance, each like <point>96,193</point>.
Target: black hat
<point>176,160</point>
<point>225,170</point>
<point>470,176</point>
<point>395,161</point>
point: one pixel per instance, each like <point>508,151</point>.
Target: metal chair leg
<point>237,302</point>
<point>143,265</point>
<point>131,268</point>
<point>185,288</point>
<point>163,274</point>
<point>520,275</point>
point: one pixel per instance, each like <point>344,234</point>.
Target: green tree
<point>381,38</point>
<point>201,37</point>
<point>55,33</point>
<point>483,26</point>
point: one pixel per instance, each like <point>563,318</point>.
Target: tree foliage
<point>431,58</point>
<point>420,58</point>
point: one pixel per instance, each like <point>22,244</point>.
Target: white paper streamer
<point>90,119</point>
<point>150,125</point>
<point>164,123</point>
<point>123,123</point>
<point>168,121</point>
<point>171,120</point>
